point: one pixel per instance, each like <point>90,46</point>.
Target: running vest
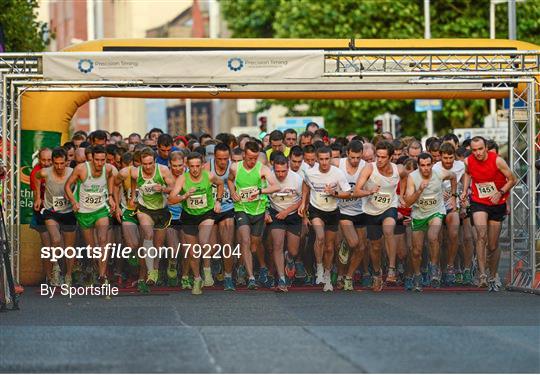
<point>201,201</point>
<point>290,192</point>
<point>431,200</point>
<point>227,203</point>
<point>386,197</point>
<point>147,197</point>
<point>459,169</point>
<point>92,193</point>
<point>55,198</point>
<point>247,183</point>
<point>351,206</point>
<point>487,179</point>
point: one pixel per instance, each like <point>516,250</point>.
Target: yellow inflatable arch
<point>52,111</point>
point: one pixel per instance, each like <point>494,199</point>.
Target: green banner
<point>31,142</point>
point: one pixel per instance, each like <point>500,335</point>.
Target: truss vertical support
<point>535,212</point>
<point>523,116</point>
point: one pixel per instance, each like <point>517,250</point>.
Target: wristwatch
<point>219,199</point>
<point>455,195</point>
<point>502,192</point>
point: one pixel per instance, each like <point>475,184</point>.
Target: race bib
<point>325,201</point>
<point>197,201</point>
<point>247,193</point>
<point>381,200</point>
<point>60,203</point>
<point>283,197</point>
<point>486,189</point>
<point>226,195</point>
<point>427,203</point>
<point>94,200</point>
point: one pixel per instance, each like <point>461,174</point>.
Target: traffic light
<point>397,127</point>
<point>263,122</point>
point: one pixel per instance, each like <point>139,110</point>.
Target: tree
<point>22,31</point>
<point>380,19</point>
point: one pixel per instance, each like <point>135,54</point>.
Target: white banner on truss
<point>185,67</point>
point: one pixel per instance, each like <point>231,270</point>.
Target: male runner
<point>324,185</point>
<point>490,180</point>
<point>58,212</point>
<point>93,201</point>
<point>285,222</point>
<point>198,208</point>
<point>153,181</point>
<point>247,185</point>
<point>425,195</point>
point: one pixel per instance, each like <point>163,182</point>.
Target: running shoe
<point>171,270</point>
<point>467,277</point>
<point>290,270</point>
<point>282,286</point>
<point>417,281</point>
<point>300,270</point>
<point>142,287</point>
<point>328,284</point>
<point>56,276</point>
<point>348,283</point>
<point>320,276</point>
<point>435,276</point>
<point>498,282</point>
<point>241,275</point>
<point>309,280</point>
<point>270,283</point>
<point>333,276</point>
<point>409,284</point>
<point>217,270</point>
<point>426,281</point>
<point>459,278</point>
<point>492,285</point>
<point>391,277</point>
<point>197,287</point>
<point>263,276</point>
<point>152,277</point>
<point>252,285</point>
<point>377,283</point>
<point>450,276</point>
<point>184,283</point>
<point>367,281</point>
<point>343,253</point>
<point>228,284</point>
<point>162,276</point>
<point>339,283</point>
<point>482,281</point>
<point>208,280</point>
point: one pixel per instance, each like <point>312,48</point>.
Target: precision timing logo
<point>85,66</point>
<point>235,64</point>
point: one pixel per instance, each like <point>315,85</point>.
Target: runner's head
<point>383,151</point>
<point>309,155</point>
<point>281,167</point>
<point>276,141</point>
<point>99,157</point>
<point>425,164</point>
<point>176,163</point>
<point>164,146</point>
<point>306,138</point>
<point>479,148</point>
<point>410,165</point>
<point>237,155</point>
<point>448,155</point>
<point>434,149</point>
<point>45,156</point>
<point>355,150</point>
<point>127,159</point>
<point>291,137</point>
<point>414,149</point>
<point>336,150</point>
<point>80,156</point>
<point>148,160</point>
<point>222,154</point>
<point>296,156</point>
<point>324,155</point>
<point>59,159</point>
<point>194,163</point>
<point>98,137</point>
<point>369,153</point>
<point>251,154</point>
<point>70,150</point>
<point>398,150</point>
<point>154,134</point>
<point>452,139</point>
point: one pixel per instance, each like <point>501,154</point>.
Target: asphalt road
<point>263,331</point>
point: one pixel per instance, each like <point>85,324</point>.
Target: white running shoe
<point>328,284</point>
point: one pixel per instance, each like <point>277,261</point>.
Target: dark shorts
<point>358,221</point>
<point>67,221</point>
<point>190,223</point>
<point>161,217</point>
<point>374,223</point>
<point>38,222</point>
<point>400,227</point>
<point>223,216</point>
<point>175,224</point>
<point>292,223</point>
<point>495,213</point>
<point>329,218</point>
<point>256,222</point>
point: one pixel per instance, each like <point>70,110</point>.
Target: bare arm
<point>412,194</point>
<point>273,186</point>
<point>168,178</point>
<point>41,174</point>
<point>76,175</point>
<point>362,179</point>
<point>305,199</point>
<point>505,170</point>
<point>230,182</point>
<point>466,183</point>
<point>174,196</point>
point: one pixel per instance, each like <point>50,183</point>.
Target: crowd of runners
<point>285,209</point>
